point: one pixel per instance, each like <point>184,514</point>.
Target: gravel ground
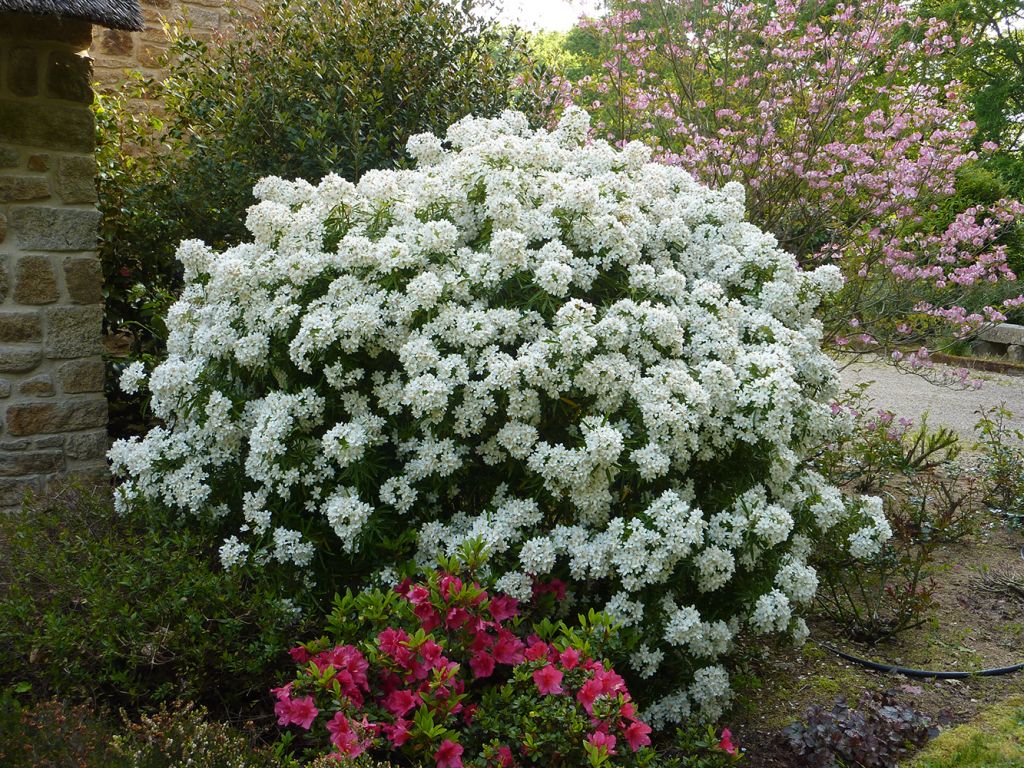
<point>910,395</point>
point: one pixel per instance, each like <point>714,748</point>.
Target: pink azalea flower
<point>399,702</point>
<point>570,658</point>
<point>726,744</point>
<point>482,665</point>
<point>538,650</point>
<point>603,741</point>
<point>301,712</point>
<point>504,756</point>
<point>548,680</point>
<point>503,607</point>
<point>449,755</point>
<point>508,649</point>
<point>588,694</point>
<point>398,733</point>
<point>343,737</point>
<point>299,654</point>
<point>638,735</point>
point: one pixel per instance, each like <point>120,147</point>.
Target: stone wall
<point>114,51</point>
<point>54,413</point>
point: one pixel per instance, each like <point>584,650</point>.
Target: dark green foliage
<point>308,88</point>
<point>134,609</point>
<point>875,734</point>
<point>53,734</point>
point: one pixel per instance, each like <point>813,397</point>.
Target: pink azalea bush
<point>837,121</point>
<point>450,674</point>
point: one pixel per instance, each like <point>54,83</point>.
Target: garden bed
<point>970,630</point>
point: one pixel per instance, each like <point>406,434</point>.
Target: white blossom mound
<point>585,359</point>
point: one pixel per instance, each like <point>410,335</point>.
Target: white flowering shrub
<point>586,360</point>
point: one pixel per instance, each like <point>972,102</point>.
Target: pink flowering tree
<point>836,120</point>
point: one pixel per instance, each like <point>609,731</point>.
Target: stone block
<point>76,179</point>
<point>79,376</point>
<point>1003,333</point>
<point>18,327</point>
<point>83,277</point>
<point>14,445</point>
<point>22,72</point>
<point>981,348</point>
<point>116,42</point>
<point>9,157</point>
<point>14,490</point>
<point>39,162</point>
<point>21,463</point>
<point>152,56</point>
<point>3,227</point>
<point>1015,353</point>
<point>35,281</point>
<point>73,331</point>
<point>42,418</point>
<point>37,386</point>
<point>40,228</point>
<point>19,359</point>
<point>5,388</point>
<point>68,77</point>
<point>87,445</point>
<point>64,127</point>
<point>23,188</point>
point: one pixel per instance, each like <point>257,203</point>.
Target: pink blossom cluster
<point>457,641</point>
<point>832,119</point>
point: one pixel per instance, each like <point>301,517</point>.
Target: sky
<point>559,15</point>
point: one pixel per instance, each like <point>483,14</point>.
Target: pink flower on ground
<point>548,680</point>
<point>638,735</point>
<point>603,741</point>
<point>726,744</point>
<point>449,755</point>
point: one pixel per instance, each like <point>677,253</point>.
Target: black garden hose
<point>892,668</point>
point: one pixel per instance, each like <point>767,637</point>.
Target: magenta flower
<point>449,755</point>
<point>548,680</point>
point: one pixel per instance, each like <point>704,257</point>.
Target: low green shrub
<point>134,609</point>
<point>1002,463</point>
<point>184,735</point>
<point>929,499</point>
<point>53,734</point>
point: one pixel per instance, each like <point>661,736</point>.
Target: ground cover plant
<point>133,610</point>
<point>584,359</point>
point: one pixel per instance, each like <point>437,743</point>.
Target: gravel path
<point>911,396</point>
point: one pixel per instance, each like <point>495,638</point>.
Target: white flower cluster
<point>587,360</point>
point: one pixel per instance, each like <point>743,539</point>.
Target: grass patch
<point>995,739</point>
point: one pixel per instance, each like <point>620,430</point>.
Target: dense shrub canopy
<point>309,87</point>
<point>584,359</point>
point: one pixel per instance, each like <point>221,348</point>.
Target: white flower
<point>132,377</point>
